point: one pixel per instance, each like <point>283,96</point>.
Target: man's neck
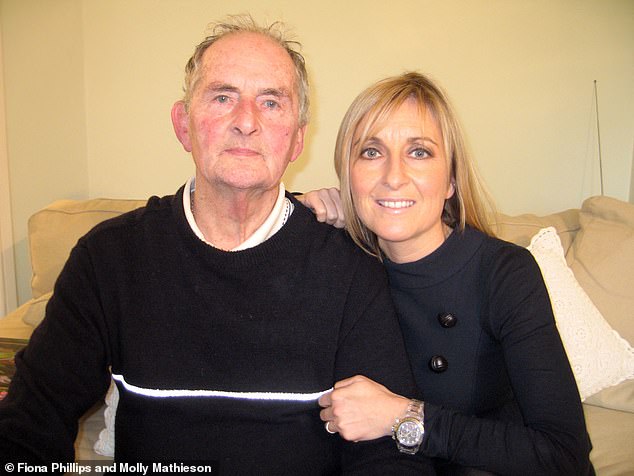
<point>227,219</point>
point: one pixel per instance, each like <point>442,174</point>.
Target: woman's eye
<point>420,153</point>
<point>370,153</point>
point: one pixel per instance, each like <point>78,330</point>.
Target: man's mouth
<point>242,151</point>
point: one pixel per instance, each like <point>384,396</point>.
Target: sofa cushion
<point>602,258</point>
<point>12,325</point>
<point>620,397</point>
<point>612,433</point>
<point>599,357</point>
<point>36,309</point>
<point>520,229</point>
<point>54,230</point>
<point>90,427</point>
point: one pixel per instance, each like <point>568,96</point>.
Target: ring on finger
<point>328,428</point>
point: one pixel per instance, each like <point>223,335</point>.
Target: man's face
<point>242,126</point>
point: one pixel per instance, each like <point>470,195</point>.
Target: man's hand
<point>361,409</point>
<point>326,205</point>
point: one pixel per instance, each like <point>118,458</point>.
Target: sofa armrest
<point>55,229</point>
<point>13,326</point>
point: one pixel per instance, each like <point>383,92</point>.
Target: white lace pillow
<point>105,443</point>
<point>598,355</point>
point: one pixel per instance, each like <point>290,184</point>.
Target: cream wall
<point>42,44</point>
<point>8,291</point>
<point>90,84</point>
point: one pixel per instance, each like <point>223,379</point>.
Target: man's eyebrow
<point>227,88</point>
<point>277,92</point>
<point>222,88</point>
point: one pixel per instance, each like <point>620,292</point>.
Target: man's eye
<point>370,153</point>
<point>222,98</point>
<point>270,104</point>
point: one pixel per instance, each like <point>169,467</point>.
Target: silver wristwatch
<point>409,430</point>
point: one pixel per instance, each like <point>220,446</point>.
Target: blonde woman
<point>497,392</point>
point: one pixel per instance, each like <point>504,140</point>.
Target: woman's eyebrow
<point>422,139</point>
<point>375,140</point>
<point>371,140</point>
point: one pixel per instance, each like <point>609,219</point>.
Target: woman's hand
<point>326,205</point>
<point>361,409</point>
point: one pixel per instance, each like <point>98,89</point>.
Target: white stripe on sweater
<point>159,393</point>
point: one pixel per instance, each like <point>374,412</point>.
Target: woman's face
<point>400,180</point>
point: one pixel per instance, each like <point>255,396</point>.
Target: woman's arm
<point>548,433</point>
<point>552,437</point>
<point>361,409</point>
<point>326,205</point>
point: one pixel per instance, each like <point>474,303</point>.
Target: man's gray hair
<point>245,23</point>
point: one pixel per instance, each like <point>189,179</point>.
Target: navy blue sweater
<point>507,401</point>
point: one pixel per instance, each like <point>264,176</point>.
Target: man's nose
<point>245,117</point>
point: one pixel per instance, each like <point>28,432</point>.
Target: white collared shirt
<point>276,219</point>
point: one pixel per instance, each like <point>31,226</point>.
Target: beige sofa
<point>597,241</point>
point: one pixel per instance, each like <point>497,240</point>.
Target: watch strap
<point>415,414</point>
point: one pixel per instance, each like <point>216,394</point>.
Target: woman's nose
<point>395,173</point>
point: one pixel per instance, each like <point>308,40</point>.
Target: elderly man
<point>222,312</point>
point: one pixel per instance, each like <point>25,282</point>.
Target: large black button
<point>447,319</point>
<point>438,364</point>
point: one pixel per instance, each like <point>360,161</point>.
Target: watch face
<point>409,433</point>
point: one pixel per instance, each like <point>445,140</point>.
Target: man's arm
<point>59,375</point>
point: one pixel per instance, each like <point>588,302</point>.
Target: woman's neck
<point>414,250</point>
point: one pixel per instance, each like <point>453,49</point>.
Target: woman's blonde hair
<point>470,203</point>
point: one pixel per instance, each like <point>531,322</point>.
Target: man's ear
<point>180,121</point>
<point>299,143</point>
